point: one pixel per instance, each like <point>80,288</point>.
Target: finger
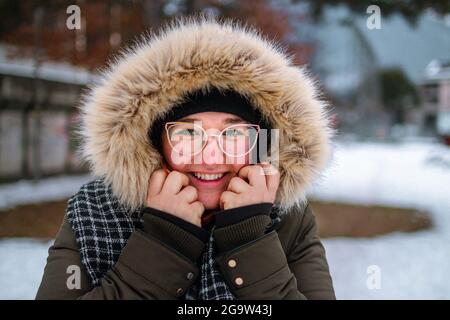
<point>225,198</point>
<point>198,208</point>
<point>272,177</point>
<point>238,185</point>
<point>189,194</point>
<point>156,182</point>
<point>175,181</point>
<point>254,174</point>
<point>165,167</point>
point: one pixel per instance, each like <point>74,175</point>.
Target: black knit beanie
<point>228,101</point>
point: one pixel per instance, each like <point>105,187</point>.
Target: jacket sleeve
<point>260,268</point>
<point>148,267</point>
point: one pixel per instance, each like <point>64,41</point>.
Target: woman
<point>181,209</point>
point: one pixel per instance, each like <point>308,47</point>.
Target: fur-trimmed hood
<point>144,82</point>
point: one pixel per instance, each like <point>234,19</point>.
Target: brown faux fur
<point>191,54</point>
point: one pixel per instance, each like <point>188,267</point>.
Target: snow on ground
<point>21,267</point>
<point>25,191</point>
<point>22,261</point>
<point>412,265</point>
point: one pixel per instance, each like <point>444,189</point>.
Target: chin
<point>210,203</point>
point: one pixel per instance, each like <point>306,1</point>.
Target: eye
<point>186,132</point>
<point>234,132</point>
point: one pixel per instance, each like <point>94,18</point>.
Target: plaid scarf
<point>103,226</point>
<point>211,285</point>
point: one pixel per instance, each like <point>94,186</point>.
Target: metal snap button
<point>232,263</point>
<point>180,291</point>
<point>190,276</point>
<point>239,281</point>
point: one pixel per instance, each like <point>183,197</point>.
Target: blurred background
<point>383,205</point>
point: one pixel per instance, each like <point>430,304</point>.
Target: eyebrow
<point>230,120</point>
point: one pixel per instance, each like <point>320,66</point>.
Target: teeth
<point>204,176</point>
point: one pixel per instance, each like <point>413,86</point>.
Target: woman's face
<point>209,170</point>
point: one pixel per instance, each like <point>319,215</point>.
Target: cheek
<point>239,162</point>
<point>174,161</point>
<point>236,163</point>
<point>237,167</point>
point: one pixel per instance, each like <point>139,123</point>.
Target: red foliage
<point>109,25</point>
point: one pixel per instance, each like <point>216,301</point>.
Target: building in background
<point>352,62</point>
<point>435,90</point>
<point>38,117</point>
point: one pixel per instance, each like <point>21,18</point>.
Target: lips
<point>209,180</point>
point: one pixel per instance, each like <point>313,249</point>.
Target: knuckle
<point>198,206</point>
<point>235,180</point>
<point>174,174</point>
<point>191,189</point>
<point>242,171</point>
<point>259,169</point>
<point>156,173</point>
<point>178,176</point>
<point>182,177</point>
<point>253,170</point>
<point>232,183</point>
<point>226,195</point>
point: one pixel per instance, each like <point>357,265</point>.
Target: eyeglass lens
<point>236,140</point>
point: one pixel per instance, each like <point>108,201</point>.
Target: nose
<point>212,154</point>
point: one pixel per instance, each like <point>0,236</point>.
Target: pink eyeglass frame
<point>258,128</point>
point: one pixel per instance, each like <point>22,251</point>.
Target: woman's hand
<point>262,186</point>
<point>170,192</point>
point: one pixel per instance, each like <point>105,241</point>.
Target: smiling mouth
<point>208,176</point>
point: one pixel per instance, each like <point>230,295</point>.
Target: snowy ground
<point>25,192</point>
<point>23,260</point>
<point>411,266</point>
<point>21,267</point>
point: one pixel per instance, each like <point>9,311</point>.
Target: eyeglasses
<point>188,138</point>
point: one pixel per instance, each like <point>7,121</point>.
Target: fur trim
<point>192,54</point>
